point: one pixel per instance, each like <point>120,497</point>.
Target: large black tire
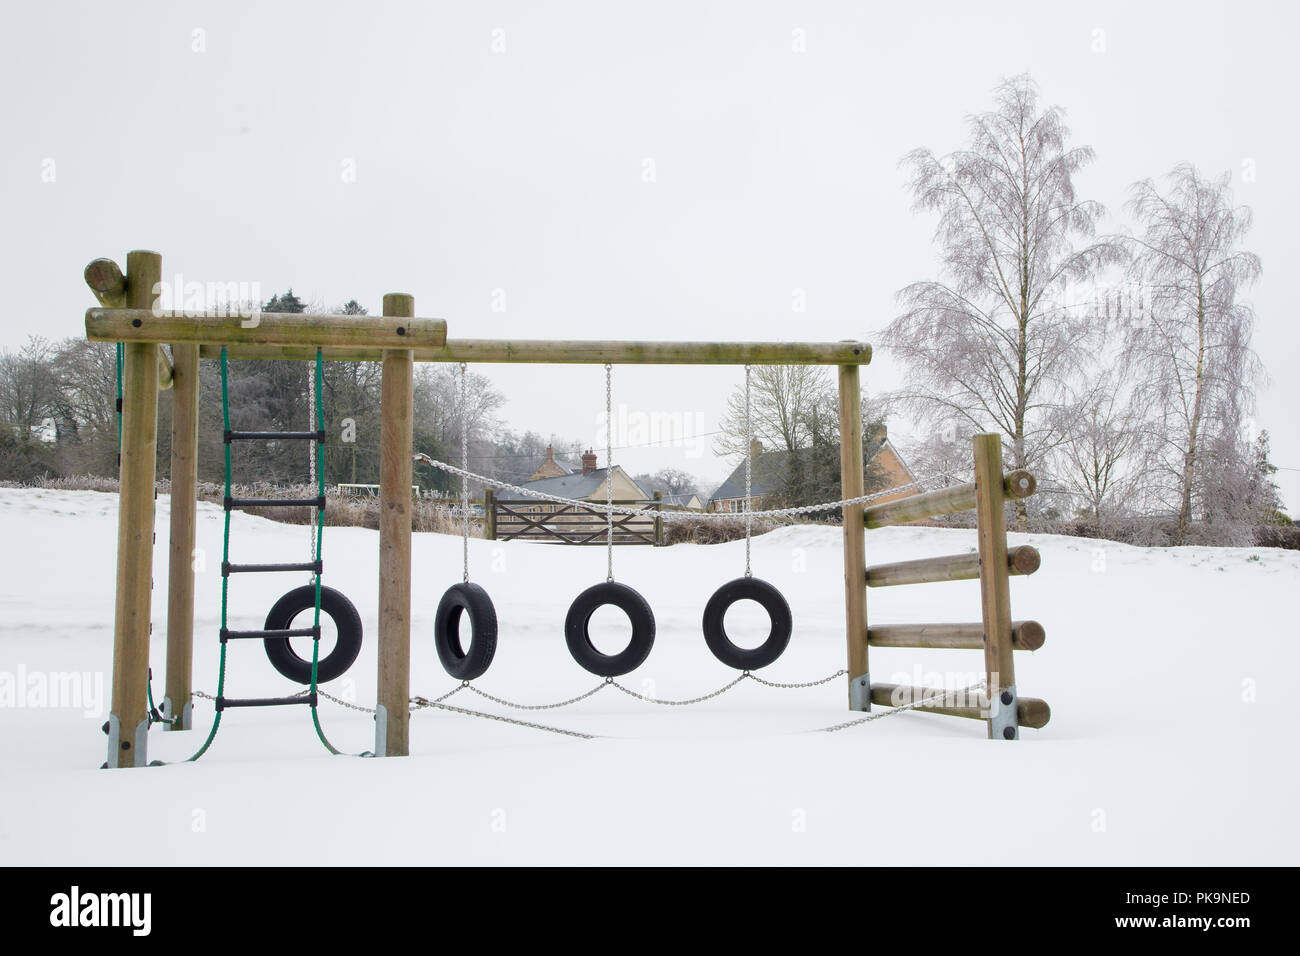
<point>578,638</point>
<point>778,611</point>
<point>459,662</point>
<point>347,622</point>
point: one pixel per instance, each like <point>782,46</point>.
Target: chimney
<point>588,462</point>
<point>550,454</point>
<point>878,435</point>
<point>755,448</point>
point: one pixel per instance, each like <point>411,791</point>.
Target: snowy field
<point>1172,739</point>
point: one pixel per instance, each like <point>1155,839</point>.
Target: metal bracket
<point>860,692</point>
<point>381,731</point>
<point>141,743</point>
<point>1004,721</point>
<point>185,722</point>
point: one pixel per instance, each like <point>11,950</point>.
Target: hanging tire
<point>347,623</point>
<point>578,637</point>
<point>778,612</point>
<point>460,662</point>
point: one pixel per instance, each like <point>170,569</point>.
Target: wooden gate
<point>530,520</point>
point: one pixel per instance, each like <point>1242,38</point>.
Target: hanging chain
<point>609,472</point>
<point>563,703</point>
<point>902,708</point>
<point>464,464</point>
<point>311,459</point>
<point>749,477</point>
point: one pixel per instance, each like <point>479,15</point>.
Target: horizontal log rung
<point>1030,711</point>
<point>944,501</point>
<point>1025,635</point>
<point>1024,559</point>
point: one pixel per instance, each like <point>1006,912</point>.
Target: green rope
<point>320,541</point>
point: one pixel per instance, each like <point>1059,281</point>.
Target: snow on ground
<point>1167,672</point>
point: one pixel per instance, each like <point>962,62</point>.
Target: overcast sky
<point>500,154</point>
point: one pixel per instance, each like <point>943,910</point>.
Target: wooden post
<point>128,715</point>
<point>392,731</point>
<point>852,480</point>
<point>995,589</point>
<point>659,518</point>
<point>180,564</point>
<point>489,514</point>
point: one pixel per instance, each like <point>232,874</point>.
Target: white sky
<point>522,170</point>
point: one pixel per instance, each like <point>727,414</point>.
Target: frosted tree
<point>992,343</point>
<point>1099,458</point>
<point>1189,352</point>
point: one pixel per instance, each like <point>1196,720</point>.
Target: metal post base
<point>134,753</point>
<point>1004,721</point>
<point>860,692</point>
<point>381,731</point>
<point>186,716</point>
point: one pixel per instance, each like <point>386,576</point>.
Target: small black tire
<point>347,624</point>
<point>578,637</point>
<point>459,662</point>
<point>778,612</point>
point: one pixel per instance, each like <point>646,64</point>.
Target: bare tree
<point>1099,456</point>
<point>781,397</point>
<point>992,345</point>
<point>1190,351</point>
<point>28,387</point>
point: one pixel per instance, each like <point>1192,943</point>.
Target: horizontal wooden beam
<point>266,328</point>
<point>105,279</point>
<point>1031,711</point>
<point>580,353</point>
<point>1025,635</point>
<point>948,567</point>
<point>944,501</point>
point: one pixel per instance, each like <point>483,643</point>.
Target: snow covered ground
<point>1171,739</point>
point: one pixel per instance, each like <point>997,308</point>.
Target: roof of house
<point>681,500</point>
<point>577,485</point>
<point>769,471</point>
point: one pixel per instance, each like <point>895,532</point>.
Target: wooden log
<point>129,707</point>
<point>995,591</point>
<point>659,521</point>
<point>573,353</point>
<point>1024,559</point>
<point>107,282</point>
<point>944,501</point>
<point>489,514</point>
<point>267,328</point>
<point>395,478</point>
<point>1025,635</point>
<point>852,480</point>
<point>166,374</point>
<point>1030,711</point>
<point>180,559</point>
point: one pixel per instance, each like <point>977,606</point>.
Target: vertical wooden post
<point>852,481</point>
<point>128,716</point>
<point>659,518</point>
<point>995,589</point>
<point>489,514</point>
<point>180,564</point>
<point>392,731</point>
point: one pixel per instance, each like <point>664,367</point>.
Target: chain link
<point>681,703</point>
<point>749,477</point>
<point>421,703</point>
<point>564,703</point>
<point>812,683</point>
<point>609,472</point>
<point>464,464</point>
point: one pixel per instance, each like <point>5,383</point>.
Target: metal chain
<point>667,515</point>
<point>609,472</point>
<point>681,703</point>
<point>421,704</point>
<point>464,464</point>
<point>900,709</point>
<point>749,477</point>
<point>564,703</point>
<point>812,683</point>
<point>311,460</point>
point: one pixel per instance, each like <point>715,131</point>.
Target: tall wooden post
<point>128,719</point>
<point>489,514</point>
<point>852,482</point>
<point>392,730</point>
<point>659,518</point>
<point>177,703</point>
<point>995,588</point>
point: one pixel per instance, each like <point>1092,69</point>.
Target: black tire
<point>459,662</point>
<point>347,622</point>
<point>578,638</point>
<point>778,611</point>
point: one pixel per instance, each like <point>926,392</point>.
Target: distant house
<point>684,502</point>
<point>770,468</point>
<point>588,485</point>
